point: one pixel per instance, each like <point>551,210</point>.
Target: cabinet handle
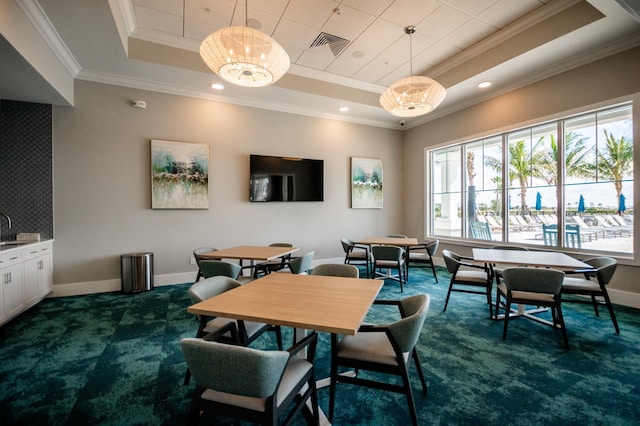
<point>40,265</point>
<point>8,277</point>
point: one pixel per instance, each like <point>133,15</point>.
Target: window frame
<point>560,187</point>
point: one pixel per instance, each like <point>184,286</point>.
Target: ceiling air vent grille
<point>335,43</point>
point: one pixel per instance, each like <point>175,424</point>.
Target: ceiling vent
<point>335,43</point>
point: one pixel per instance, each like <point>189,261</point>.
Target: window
<point>567,183</point>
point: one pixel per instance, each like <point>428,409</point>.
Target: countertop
<point>7,246</point>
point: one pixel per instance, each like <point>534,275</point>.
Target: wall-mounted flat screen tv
<point>285,179</point>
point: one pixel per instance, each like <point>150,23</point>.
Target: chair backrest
<point>387,253</point>
<point>515,248</point>
<point>234,369</point>
<point>302,264</point>
<point>347,244</point>
<point>211,268</point>
<point>432,247</point>
<point>550,234</point>
<point>406,331</point>
<point>210,287</point>
<point>480,231</point>
<point>606,267</point>
<point>197,253</point>
<point>280,245</point>
<point>533,280</point>
<point>336,270</point>
<point>451,260</point>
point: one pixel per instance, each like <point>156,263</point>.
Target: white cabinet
<point>11,279</point>
<point>38,274</point>
<point>26,276</point>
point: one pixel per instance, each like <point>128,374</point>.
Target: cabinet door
<point>45,275</point>
<point>12,289</point>
<point>31,272</point>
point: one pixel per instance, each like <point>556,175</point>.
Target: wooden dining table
<point>529,258</point>
<point>306,302</point>
<point>251,253</point>
<point>313,302</point>
<point>388,241</point>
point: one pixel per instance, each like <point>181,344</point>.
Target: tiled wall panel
<point>26,173</point>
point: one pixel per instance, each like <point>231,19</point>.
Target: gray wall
<point>102,182</point>
<point>600,83</point>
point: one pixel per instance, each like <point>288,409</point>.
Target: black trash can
<point>136,272</point>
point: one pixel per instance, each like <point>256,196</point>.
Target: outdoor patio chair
<point>480,231</point>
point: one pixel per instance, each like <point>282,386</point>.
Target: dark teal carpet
<point>114,359</point>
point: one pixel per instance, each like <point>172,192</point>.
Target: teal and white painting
<point>366,183</point>
<point>179,175</point>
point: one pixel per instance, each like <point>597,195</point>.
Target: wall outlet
<point>192,260</point>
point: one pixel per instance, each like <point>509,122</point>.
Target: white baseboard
<point>618,297</point>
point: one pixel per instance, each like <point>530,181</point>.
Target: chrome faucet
<point>8,223</point>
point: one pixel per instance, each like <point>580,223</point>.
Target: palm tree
<point>575,154</point>
<point>614,161</point>
<point>521,170</point>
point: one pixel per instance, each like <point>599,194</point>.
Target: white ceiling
<point>153,44</point>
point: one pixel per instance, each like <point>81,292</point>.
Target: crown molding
<point>163,87</point>
<point>43,26</point>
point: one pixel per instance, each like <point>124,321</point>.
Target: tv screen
<point>285,179</point>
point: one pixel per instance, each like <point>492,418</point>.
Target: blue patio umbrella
<point>581,208</point>
<point>538,201</point>
<point>621,206</point>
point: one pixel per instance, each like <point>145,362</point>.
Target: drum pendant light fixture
<point>414,95</point>
<point>244,56</point>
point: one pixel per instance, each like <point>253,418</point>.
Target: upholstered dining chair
<point>496,270</point>
<point>251,385</point>
<point>467,276</point>
<point>603,270</point>
<point>209,328</point>
<point>533,286</point>
<point>386,349</point>
<point>336,270</point>
<point>302,264</point>
<point>389,258</point>
<point>197,255</point>
<point>264,268</point>
<point>356,254</point>
<point>421,256</point>
<point>211,268</point>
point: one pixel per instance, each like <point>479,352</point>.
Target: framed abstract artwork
<point>366,183</point>
<point>179,175</point>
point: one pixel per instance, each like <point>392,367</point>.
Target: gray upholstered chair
<point>496,270</point>
<point>264,268</point>
<point>197,255</point>
<point>302,264</point>
<point>249,384</point>
<point>356,254</point>
<point>212,268</point>
<point>532,286</point>
<point>421,256</point>
<point>336,270</point>
<point>243,333</point>
<point>383,349</point>
<point>467,276</point>
<point>389,258</point>
<point>603,270</point>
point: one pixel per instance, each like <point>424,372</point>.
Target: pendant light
<point>415,95</point>
<point>244,56</point>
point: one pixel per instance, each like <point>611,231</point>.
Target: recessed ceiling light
<point>217,86</point>
<point>343,109</point>
<point>484,84</point>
